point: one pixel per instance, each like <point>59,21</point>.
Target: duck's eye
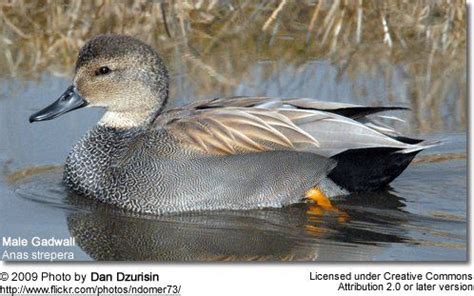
<point>103,71</point>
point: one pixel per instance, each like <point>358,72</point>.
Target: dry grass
<point>423,39</point>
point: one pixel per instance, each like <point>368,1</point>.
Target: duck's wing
<point>253,124</point>
<point>364,114</point>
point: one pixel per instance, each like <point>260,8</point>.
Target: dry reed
<point>424,39</point>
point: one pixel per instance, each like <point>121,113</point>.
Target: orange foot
<point>324,205</point>
<point>316,195</point>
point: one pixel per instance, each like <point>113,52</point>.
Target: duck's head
<point>119,73</point>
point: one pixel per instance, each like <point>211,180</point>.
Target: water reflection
<point>302,232</point>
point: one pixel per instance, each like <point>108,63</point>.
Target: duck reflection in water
<point>302,232</point>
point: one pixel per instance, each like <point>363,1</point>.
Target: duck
<point>229,153</point>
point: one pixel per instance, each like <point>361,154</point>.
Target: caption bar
<point>395,282</point>
<point>21,283</point>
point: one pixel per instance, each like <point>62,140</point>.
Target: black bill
<point>68,101</point>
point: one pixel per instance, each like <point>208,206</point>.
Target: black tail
<point>369,169</point>
<point>359,111</point>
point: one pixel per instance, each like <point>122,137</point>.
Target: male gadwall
<point>224,153</point>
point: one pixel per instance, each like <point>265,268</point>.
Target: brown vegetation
<point>423,39</point>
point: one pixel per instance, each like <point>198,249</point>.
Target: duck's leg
<point>324,204</point>
<point>315,194</point>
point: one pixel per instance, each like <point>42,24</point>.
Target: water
<point>422,217</point>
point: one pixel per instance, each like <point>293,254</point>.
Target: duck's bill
<point>68,101</point>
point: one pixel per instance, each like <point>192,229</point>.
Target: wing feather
<point>252,124</point>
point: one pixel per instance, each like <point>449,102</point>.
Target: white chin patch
<point>121,120</point>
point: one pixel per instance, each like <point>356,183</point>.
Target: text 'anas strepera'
<point>225,153</point>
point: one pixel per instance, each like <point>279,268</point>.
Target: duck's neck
<point>127,120</point>
<point>135,118</point>
<point>123,120</point>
